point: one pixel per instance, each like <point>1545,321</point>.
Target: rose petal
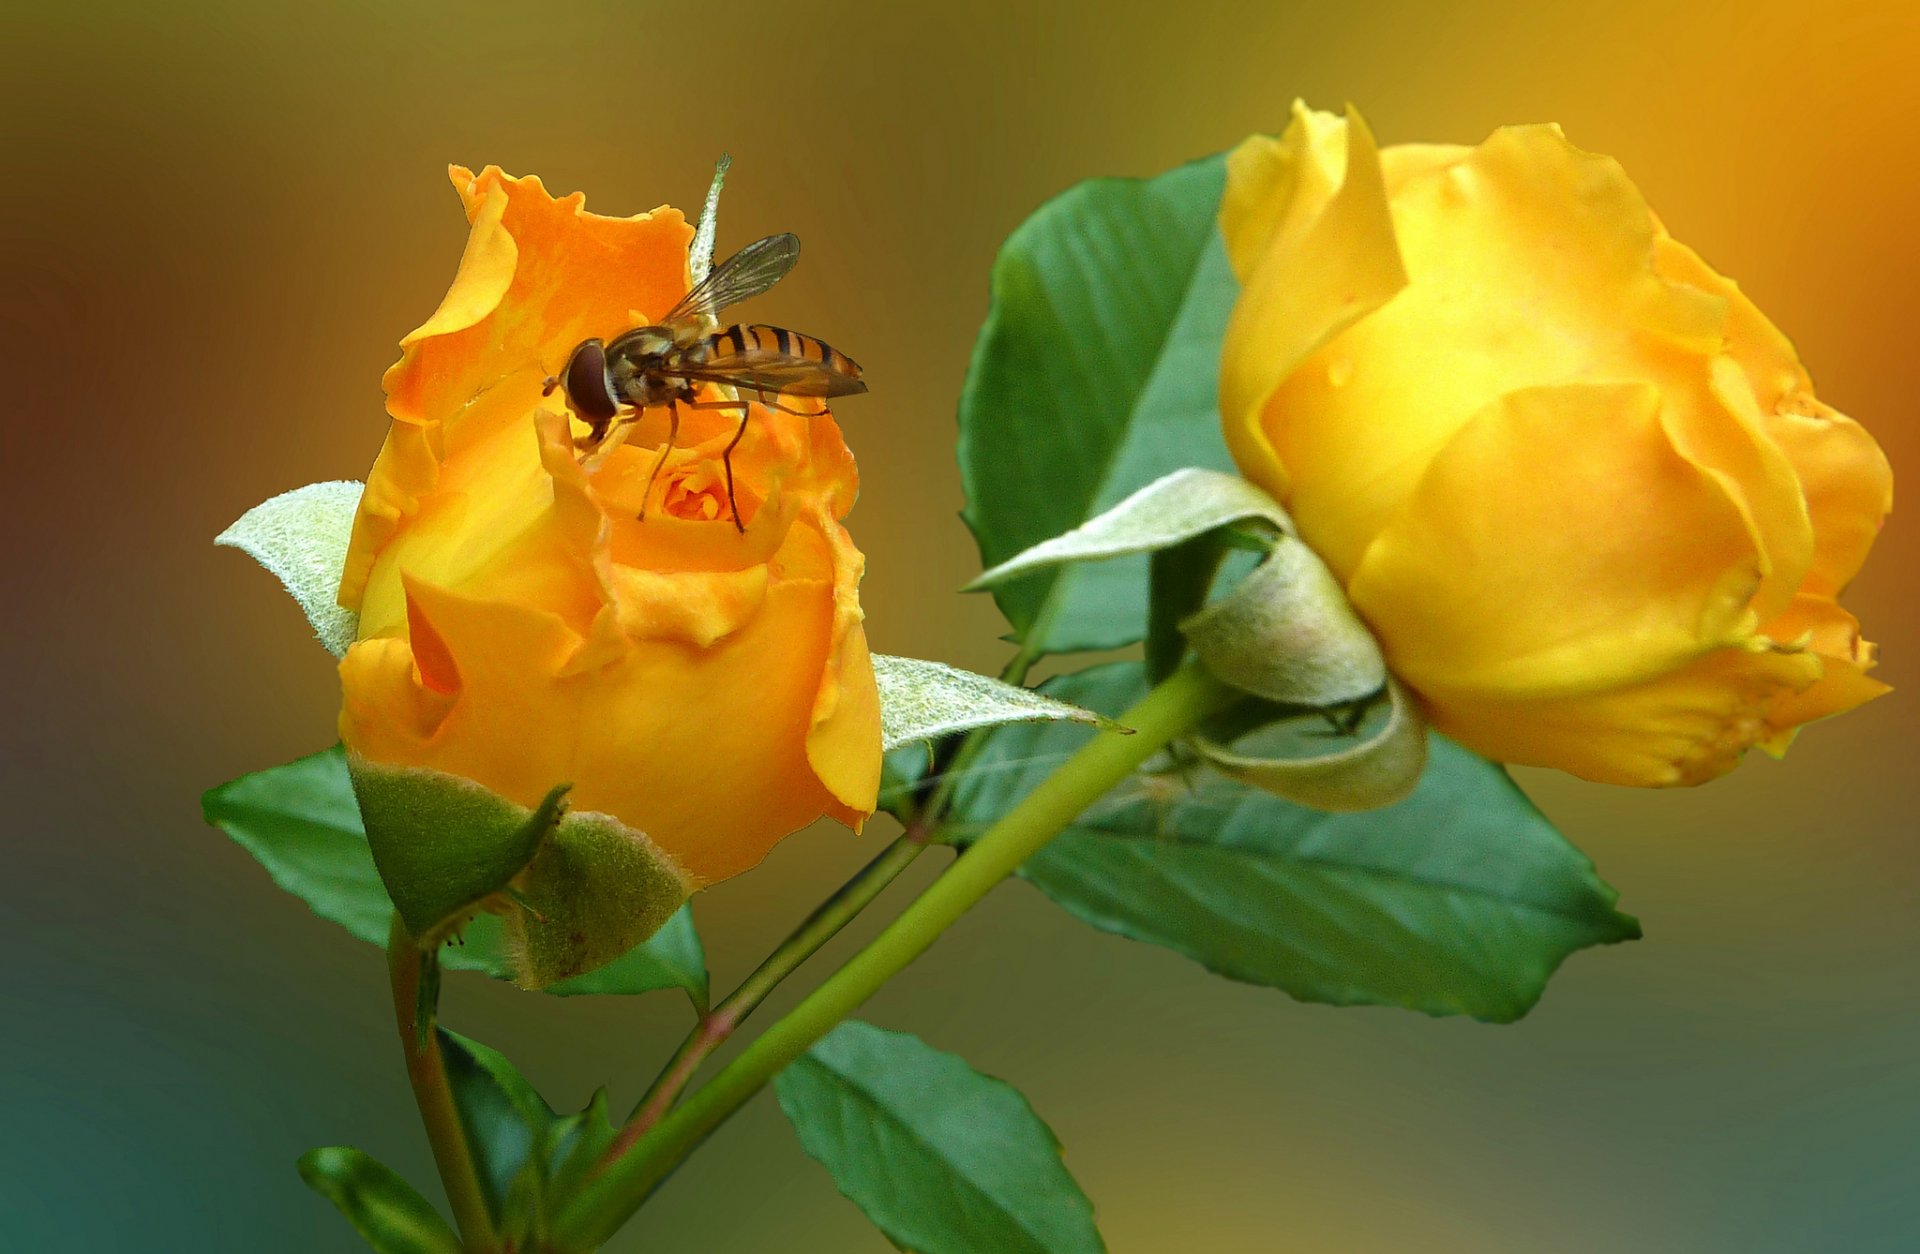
<point>705,750</point>
<point>1529,265</point>
<point>1538,553</point>
<point>1819,625</point>
<point>1848,485</point>
<point>1682,728</point>
<point>591,271</point>
<point>1328,263</point>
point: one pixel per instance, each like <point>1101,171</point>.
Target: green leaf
<point>941,1158</point>
<point>575,1144</point>
<point>384,1209</point>
<point>301,538</point>
<point>505,1120</point>
<point>901,772</point>
<point>301,823</point>
<point>530,1160</point>
<point>1095,374</point>
<point>1461,899</point>
<point>1179,506</point>
<point>1179,580</point>
<point>671,958</point>
<point>926,700</point>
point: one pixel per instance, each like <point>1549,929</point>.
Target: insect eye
<point>588,385</point>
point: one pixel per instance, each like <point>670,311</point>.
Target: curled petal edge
<point>1287,633</point>
<point>1374,773</point>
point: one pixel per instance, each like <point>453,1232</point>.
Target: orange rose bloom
<point>1576,482</point>
<point>521,627</point>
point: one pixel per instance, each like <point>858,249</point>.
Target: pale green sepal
<point>387,1212</point>
<point>1173,508</point>
<point>1375,772</point>
<point>301,538</point>
<point>444,844</point>
<point>1287,633</point>
<point>700,255</point>
<point>922,700</point>
<point>594,890</point>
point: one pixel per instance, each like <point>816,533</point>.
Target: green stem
<point>1188,696</point>
<point>715,1027</point>
<point>415,976</point>
<point>725,1019</point>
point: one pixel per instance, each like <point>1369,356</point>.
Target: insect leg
<point>726,463</point>
<point>726,456</point>
<point>798,413</point>
<point>673,433</point>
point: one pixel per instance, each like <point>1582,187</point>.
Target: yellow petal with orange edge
<point>408,464</point>
<point>485,271</point>
<point>1538,555</point>
<point>1324,263</point>
<point>725,770</point>
<point>1682,728</point>
<point>498,521</point>
<point>592,271</point>
<point>846,706</point>
<point>846,713</point>
<point>474,368</point>
<point>705,750</point>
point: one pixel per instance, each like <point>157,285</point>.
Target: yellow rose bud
<point>521,627</point>
<point>1577,484</point>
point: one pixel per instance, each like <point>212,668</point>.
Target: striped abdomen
<point>764,346</point>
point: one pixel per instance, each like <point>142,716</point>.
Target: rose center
<point>699,493</point>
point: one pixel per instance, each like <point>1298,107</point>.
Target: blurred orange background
<point>222,218</point>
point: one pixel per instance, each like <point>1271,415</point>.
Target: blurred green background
<point>219,220</point>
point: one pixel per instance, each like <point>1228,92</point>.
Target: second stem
<point>1173,708</point>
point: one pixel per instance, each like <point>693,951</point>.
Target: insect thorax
<point>637,363</point>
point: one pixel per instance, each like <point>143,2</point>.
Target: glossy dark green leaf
<point>671,958</point>
<point>1462,899</point>
<point>505,1120</point>
<point>385,1210</point>
<point>941,1158</point>
<point>1095,374</point>
<point>529,1160</point>
<point>301,823</point>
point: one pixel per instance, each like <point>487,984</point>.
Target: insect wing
<point>764,370</point>
<point>747,273</point>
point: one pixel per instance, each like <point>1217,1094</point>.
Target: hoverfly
<point>666,362</point>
